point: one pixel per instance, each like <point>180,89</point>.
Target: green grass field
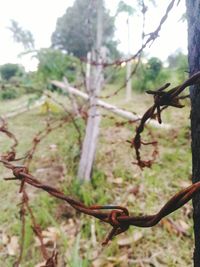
<point>115,181</point>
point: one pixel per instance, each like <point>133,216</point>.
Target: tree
<point>76,29</point>
<point>178,65</point>
<point>150,75</point>
<point>177,60</point>
<point>123,7</point>
<point>10,70</point>
<point>22,36</point>
<point>193,16</point>
<point>154,67</point>
<point>53,64</point>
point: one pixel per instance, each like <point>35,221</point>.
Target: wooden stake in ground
<point>107,106</point>
<point>95,85</point>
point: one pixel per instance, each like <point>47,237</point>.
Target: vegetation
<point>22,36</point>
<point>151,75</point>
<point>76,30</point>
<point>152,72</point>
<point>53,64</point>
<point>9,70</point>
<point>178,65</point>
<point>115,179</point>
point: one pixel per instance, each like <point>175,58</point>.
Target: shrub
<point>53,64</point>
<point>9,93</point>
<point>9,70</point>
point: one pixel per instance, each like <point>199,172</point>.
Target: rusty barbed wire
<point>118,217</point>
<point>51,261</point>
<point>78,113</point>
<point>116,92</point>
<point>25,207</point>
<point>65,109</point>
<point>4,129</point>
<point>162,100</point>
<point>50,126</point>
<point>155,151</point>
<point>134,70</point>
<point>10,156</point>
<point>36,228</point>
<point>152,37</point>
<point>22,213</point>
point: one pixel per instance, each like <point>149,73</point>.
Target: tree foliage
<point>123,7</point>
<point>178,65</point>
<point>76,29</point>
<point>10,70</point>
<point>178,60</point>
<point>53,64</point>
<point>22,36</point>
<point>150,75</point>
<point>153,67</point>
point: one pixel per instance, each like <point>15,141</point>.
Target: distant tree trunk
<point>193,14</point>
<point>88,71</point>
<point>128,68</point>
<point>128,81</point>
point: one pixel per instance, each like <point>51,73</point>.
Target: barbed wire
<point>4,129</point>
<point>162,100</point>
<point>118,217</point>
<point>137,56</point>
<point>115,215</point>
<point>152,37</point>
<point>50,126</point>
<point>25,207</point>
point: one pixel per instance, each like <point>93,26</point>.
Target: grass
<point>115,180</point>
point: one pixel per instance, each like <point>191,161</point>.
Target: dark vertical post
<point>193,15</point>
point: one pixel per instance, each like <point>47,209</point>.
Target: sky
<point>40,16</point>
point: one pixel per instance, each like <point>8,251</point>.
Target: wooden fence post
<point>95,85</point>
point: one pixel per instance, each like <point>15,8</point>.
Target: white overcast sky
<point>40,16</point>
